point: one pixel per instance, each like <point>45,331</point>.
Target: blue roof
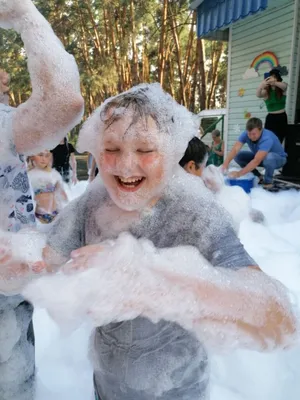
<point>215,14</point>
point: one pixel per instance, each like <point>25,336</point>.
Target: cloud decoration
<point>250,73</point>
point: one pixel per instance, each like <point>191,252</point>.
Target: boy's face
<point>132,162</point>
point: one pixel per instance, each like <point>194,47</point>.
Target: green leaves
<point>119,43</point>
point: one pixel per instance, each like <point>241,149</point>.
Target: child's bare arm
<point>60,190</point>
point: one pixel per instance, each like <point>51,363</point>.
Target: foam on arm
<point>130,277</point>
<point>24,248</point>
<point>55,105</point>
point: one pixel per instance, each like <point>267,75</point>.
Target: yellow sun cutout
<point>241,92</point>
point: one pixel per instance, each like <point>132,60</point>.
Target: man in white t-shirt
<point>54,107</point>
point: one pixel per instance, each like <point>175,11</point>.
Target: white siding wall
<point>271,30</point>
<point>295,61</point>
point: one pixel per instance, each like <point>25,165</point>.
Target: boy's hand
<point>81,258</point>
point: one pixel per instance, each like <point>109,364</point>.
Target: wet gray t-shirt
<point>140,360</point>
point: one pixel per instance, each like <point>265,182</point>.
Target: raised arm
<point>281,85</point>
<point>261,90</point>
<point>55,105</point>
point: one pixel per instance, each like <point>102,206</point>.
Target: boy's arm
<point>179,285</point>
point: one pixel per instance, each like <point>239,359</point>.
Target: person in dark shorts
<point>64,161</point>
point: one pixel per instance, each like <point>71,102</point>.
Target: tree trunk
<point>182,98</point>
<point>214,72</point>
<point>202,77</point>
<point>161,54</point>
<point>135,62</point>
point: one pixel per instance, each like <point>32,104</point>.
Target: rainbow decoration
<point>267,57</point>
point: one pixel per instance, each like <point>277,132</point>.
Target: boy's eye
<point>145,151</point>
<point>111,150</point>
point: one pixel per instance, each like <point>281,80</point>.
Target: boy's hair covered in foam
<point>196,151</point>
<point>145,100</point>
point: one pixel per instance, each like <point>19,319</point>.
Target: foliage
<point>120,43</point>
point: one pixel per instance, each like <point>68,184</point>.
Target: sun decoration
<point>241,92</point>
<point>247,114</point>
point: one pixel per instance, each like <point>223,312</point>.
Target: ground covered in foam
<point>64,372</point>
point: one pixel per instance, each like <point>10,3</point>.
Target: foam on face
<point>176,124</point>
<point>120,134</point>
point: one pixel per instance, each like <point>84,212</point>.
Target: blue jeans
<point>270,163</point>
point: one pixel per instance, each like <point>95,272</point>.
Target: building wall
<point>294,97</point>
<point>271,30</point>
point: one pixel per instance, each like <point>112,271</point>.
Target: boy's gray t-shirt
<point>140,360</point>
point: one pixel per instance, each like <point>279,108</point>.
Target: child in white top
<point>47,185</point>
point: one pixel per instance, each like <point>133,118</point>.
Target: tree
<point>120,43</point>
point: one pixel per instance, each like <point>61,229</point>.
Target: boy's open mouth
<point>130,184</point>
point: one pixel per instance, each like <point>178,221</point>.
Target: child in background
<point>47,185</point>
<point>195,157</point>
<point>232,198</point>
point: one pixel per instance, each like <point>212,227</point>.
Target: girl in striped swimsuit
<point>47,184</point>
